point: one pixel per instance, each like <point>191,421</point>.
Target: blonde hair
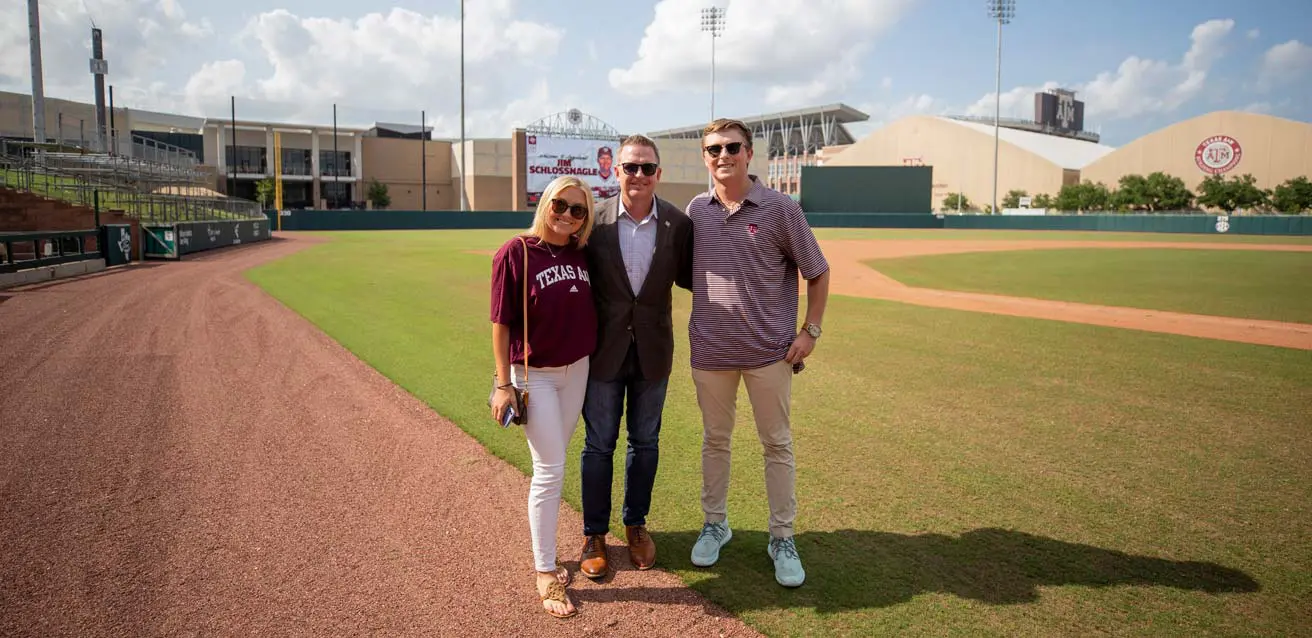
<point>552,191</point>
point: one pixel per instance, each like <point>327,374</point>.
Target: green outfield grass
<point>1252,284</point>
<point>1011,235</point>
<point>959,473</point>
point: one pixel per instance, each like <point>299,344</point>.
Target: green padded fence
<point>1202,224</point>
<point>867,189</point>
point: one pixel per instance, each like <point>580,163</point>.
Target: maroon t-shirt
<point>562,320</point>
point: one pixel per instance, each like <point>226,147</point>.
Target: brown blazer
<point>625,315</point>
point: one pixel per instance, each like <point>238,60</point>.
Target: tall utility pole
<point>713,23</point>
<point>464,194</point>
<point>99,68</point>
<point>1002,11</point>
<point>38,85</point>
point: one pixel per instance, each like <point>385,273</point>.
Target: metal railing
<point>177,203</point>
<point>21,251</point>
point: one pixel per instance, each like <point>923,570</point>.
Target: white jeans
<point>555,401</point>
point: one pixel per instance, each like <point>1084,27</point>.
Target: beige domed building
<point>1229,143</point>
<point>961,152</point>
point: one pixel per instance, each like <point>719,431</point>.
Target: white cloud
<point>777,43</point>
<point>397,59</point>
<point>882,113</point>
<point>1137,87</point>
<point>1285,62</point>
<point>140,37</point>
<point>1254,34</point>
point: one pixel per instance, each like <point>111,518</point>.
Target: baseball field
<point>999,434</point>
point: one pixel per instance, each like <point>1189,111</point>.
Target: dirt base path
<point>851,277</point>
<point>182,455</point>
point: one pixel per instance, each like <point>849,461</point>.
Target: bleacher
<point>152,182</point>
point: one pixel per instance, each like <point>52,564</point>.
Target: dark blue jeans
<point>602,407</point>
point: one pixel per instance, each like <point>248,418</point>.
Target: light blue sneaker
<point>707,549</point>
<point>787,563</point>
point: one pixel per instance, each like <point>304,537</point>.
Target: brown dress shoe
<point>642,549</point>
<point>593,561</point>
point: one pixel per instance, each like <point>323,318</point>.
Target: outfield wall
<point>175,239</point>
<point>1124,223</point>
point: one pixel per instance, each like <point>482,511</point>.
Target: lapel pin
<point>667,223</point>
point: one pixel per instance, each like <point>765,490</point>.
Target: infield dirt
<point>854,278</point>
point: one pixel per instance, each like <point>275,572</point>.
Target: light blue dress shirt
<point>637,244</point>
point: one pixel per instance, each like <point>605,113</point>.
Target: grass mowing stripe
<point>958,472</point>
<point>1251,284</point>
<point>1044,235</point>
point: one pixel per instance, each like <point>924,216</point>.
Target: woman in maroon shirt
<point>562,332</point>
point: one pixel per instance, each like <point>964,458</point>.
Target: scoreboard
<point>1060,110</point>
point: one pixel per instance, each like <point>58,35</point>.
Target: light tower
<point>38,82</point>
<point>713,23</point>
<point>1002,11</point>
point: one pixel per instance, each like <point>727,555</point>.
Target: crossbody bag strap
<point>525,243</point>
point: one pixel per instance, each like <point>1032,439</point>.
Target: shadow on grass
<point>852,569</point>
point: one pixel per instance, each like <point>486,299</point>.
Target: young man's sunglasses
<point>577,211</point>
<point>647,169</point>
<point>732,147</point>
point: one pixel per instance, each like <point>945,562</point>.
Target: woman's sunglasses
<point>647,169</point>
<point>732,147</point>
<point>577,211</point>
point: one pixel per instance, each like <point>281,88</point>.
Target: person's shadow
<point>853,569</point>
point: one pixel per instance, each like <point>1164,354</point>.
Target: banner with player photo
<point>591,160</point>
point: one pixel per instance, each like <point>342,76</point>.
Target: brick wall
<point>25,212</point>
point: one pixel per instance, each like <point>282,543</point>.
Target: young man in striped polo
<point>749,244</point>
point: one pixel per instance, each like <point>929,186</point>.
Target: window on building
<point>336,163</point>
<point>296,161</point>
<point>250,159</point>
<point>337,194</point>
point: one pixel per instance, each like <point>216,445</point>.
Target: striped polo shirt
<point>745,288</point>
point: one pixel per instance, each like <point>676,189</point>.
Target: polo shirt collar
<point>754,192</point>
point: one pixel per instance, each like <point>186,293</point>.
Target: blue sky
<point>643,65</point>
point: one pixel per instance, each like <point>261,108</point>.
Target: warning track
<point>180,454</point>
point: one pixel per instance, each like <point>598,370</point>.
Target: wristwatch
<point>812,329</point>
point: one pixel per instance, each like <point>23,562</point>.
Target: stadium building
<point>1041,155</point>
<point>324,166</point>
<point>792,139</point>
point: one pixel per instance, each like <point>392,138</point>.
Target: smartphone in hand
<point>508,417</point>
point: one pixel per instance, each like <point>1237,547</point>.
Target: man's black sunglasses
<point>577,211</point>
<point>631,168</point>
<point>732,147</point>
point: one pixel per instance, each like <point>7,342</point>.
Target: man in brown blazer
<point>641,246</point>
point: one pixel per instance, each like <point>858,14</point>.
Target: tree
<point>1132,193</point>
<point>1043,200</point>
<point>1084,197</point>
<point>1230,195</point>
<point>264,191</point>
<point>1155,193</point>
<point>378,195</point>
<point>1293,196</point>
<point>950,203</point>
<point>1012,200</point>
<point>1167,192</point>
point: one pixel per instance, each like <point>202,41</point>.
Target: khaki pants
<point>769,388</point>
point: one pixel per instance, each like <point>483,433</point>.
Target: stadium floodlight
<point>713,23</point>
<point>1002,11</point>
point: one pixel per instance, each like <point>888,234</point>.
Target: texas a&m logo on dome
<point>1218,154</point>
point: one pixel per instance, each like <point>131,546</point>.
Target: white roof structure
<point>1066,152</point>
